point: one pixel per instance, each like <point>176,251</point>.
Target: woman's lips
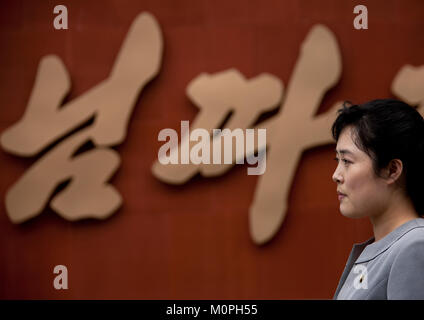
<point>341,196</point>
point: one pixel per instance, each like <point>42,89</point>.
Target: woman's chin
<point>350,213</point>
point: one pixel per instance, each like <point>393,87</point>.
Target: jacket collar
<point>373,249</point>
<point>354,254</point>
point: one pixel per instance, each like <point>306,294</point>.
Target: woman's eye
<point>345,162</point>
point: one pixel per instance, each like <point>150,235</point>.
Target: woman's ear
<point>393,170</point>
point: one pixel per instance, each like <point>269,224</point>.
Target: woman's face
<point>361,193</point>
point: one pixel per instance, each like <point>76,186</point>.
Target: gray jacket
<point>391,268</point>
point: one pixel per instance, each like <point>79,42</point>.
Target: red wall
<point>192,241</point>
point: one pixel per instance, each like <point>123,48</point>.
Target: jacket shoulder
<point>410,238</point>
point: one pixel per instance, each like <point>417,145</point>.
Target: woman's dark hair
<point>388,129</point>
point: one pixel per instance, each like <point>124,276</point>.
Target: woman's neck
<point>399,212</point>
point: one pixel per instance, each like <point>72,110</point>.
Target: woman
<point>380,175</point>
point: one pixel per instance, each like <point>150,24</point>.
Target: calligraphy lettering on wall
<point>45,121</point>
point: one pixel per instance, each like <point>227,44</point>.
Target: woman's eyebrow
<point>343,151</point>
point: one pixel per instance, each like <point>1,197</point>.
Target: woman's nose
<point>337,178</point>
